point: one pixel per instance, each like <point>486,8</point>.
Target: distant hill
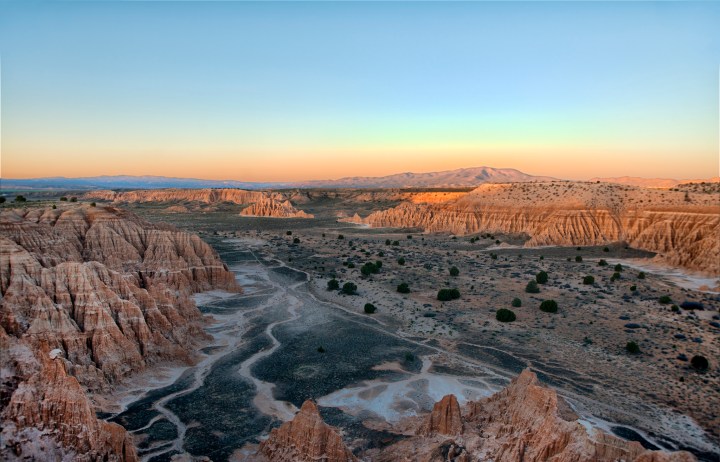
<point>465,177</point>
<point>651,182</point>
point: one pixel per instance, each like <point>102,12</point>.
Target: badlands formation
<point>90,296</point>
<point>682,227</point>
<point>260,204</point>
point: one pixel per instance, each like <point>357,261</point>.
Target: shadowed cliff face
<point>90,296</point>
<point>260,204</point>
<point>683,229</point>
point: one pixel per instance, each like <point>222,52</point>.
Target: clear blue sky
<point>301,90</point>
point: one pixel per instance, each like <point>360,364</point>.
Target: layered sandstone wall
<point>683,229</point>
<point>105,294</point>
<point>260,203</point>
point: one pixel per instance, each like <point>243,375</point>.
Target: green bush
<point>675,308</point>
<point>289,233</point>
<point>454,271</point>
<point>378,264</point>
<point>73,199</point>
<point>504,315</point>
<point>632,347</point>
<point>633,288</point>
<point>53,206</point>
<point>387,241</point>
<point>20,198</point>
<point>549,306</point>
<point>351,265</point>
<point>641,275</point>
<point>93,204</point>
<point>700,363</point>
<point>369,308</point>
<point>588,280</point>
<point>63,199</point>
<point>615,276</point>
<point>320,349</point>
<point>532,288</point>
<point>349,288</point>
<point>445,295</point>
<point>333,284</point>
<point>602,262</point>
<point>516,303</point>
<point>2,199</point>
<point>578,259</point>
<point>396,243</point>
<point>403,288</point>
<point>665,299</point>
<point>296,240</point>
<point>606,249</point>
<point>541,277</point>
<point>618,268</point>
<point>370,268</point>
<point>340,236</point>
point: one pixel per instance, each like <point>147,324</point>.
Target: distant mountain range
<point>464,177</point>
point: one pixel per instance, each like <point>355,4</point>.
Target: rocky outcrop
<point>306,438</point>
<point>524,422</point>
<point>104,294</point>
<point>684,229</point>
<point>445,418</point>
<point>260,203</point>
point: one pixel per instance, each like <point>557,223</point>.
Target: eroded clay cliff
<point>524,422</point>
<point>683,228</point>
<point>90,295</point>
<point>306,438</point>
<point>259,203</point>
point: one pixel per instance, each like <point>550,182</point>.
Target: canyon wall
<point>89,296</point>
<point>683,228</point>
<point>259,203</point>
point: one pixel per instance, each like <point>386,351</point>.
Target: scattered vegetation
<point>602,262</point>
<point>333,284</point>
<point>349,288</point>
<point>665,299</point>
<point>369,308</point>
<point>504,315</point>
<point>454,271</point>
<point>401,261</point>
<point>588,280</point>
<point>20,198</point>
<point>618,268</point>
<point>541,277</point>
<point>370,268</point>
<point>549,306</point>
<point>403,288</point>
<point>632,347</point>
<point>516,302</point>
<point>532,287</point>
<point>445,295</point>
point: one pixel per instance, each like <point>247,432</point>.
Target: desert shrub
<point>349,288</point>
<point>20,198</point>
<point>445,295</point>
<point>504,315</point>
<point>588,280</point>
<point>333,284</point>
<point>93,204</point>
<point>381,254</point>
<point>73,199</point>
<point>378,264</point>
<point>618,268</point>
<point>578,259</point>
<point>370,268</point>
<point>351,265</point>
<point>387,241</point>
<point>602,262</point>
<point>606,249</point>
<point>296,240</point>
<point>615,276</point>
<point>2,199</point>
<point>541,277</point>
<point>641,275</point>
<point>493,256</point>
<point>665,299</point>
<point>63,199</point>
<point>53,206</point>
<point>340,236</point>
<point>401,261</point>
<point>454,271</point>
<point>700,363</point>
<point>632,347</point>
<point>633,288</point>
<point>320,349</point>
<point>516,302</point>
<point>532,287</point>
<point>369,308</point>
<point>396,243</point>
<point>289,233</point>
<point>409,236</point>
<point>403,288</point>
<point>674,308</point>
<point>409,357</point>
<point>549,306</point>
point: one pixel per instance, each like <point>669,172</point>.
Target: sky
<point>283,91</point>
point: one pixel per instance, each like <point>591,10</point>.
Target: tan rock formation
<point>683,229</point>
<point>445,418</point>
<point>524,422</point>
<point>306,438</point>
<point>108,294</point>
<point>260,203</point>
